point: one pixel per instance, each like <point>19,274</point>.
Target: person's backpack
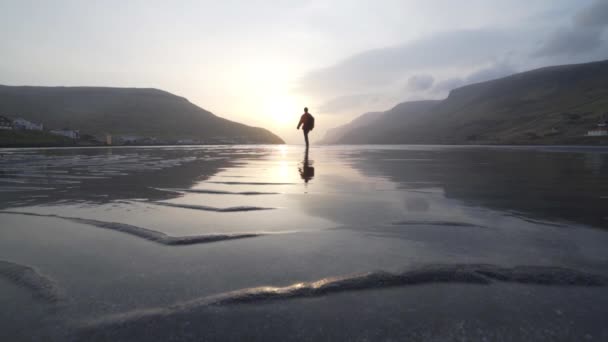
<point>311,122</point>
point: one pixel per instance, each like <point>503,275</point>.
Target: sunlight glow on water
<point>175,225</point>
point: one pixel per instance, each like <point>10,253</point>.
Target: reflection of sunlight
<point>283,150</point>
<point>280,170</point>
<point>283,170</point>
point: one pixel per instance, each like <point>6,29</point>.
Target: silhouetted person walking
<point>307,122</point>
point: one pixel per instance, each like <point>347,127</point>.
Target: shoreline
<point>319,145</point>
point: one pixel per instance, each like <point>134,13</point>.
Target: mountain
<point>140,112</point>
<point>401,115</point>
<point>334,135</point>
<point>552,105</point>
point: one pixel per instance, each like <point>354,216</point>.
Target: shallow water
<point>270,243</point>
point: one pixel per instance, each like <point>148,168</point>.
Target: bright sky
<point>261,62</point>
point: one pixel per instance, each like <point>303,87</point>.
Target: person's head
<point>305,109</point>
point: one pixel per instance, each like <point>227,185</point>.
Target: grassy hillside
<point>32,139</point>
<point>123,111</point>
<point>554,105</point>
<point>401,115</point>
<point>336,134</point>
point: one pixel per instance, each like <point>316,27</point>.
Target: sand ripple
<point>477,274</point>
<point>29,278</point>
<point>145,233</point>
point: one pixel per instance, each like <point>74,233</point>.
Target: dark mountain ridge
<point>551,105</point>
<point>335,134</point>
<point>145,112</point>
<point>399,116</point>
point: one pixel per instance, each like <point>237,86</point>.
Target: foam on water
<point>41,286</point>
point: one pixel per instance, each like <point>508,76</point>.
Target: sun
<point>282,110</point>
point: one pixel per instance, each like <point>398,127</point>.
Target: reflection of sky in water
<point>307,190</point>
<point>594,162</point>
<point>464,202</point>
<point>366,208</point>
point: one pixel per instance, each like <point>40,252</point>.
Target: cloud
<point>595,15</point>
<point>342,103</point>
<point>448,84</point>
<point>415,84</point>
<point>584,36</point>
<point>420,82</point>
<point>418,87</point>
<point>494,71</point>
<point>387,66</point>
<point>571,41</point>
<point>439,62</point>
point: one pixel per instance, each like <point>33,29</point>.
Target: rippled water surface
<point>272,243</point>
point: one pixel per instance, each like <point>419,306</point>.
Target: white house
<point>600,131</point>
<point>23,124</point>
<point>597,133</point>
<point>69,133</point>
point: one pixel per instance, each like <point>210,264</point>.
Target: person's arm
<point>301,122</point>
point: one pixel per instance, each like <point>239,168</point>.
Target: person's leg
<point>306,137</point>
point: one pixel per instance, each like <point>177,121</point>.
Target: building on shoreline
<point>129,139</point>
<point>600,131</point>
<point>22,124</point>
<point>68,133</point>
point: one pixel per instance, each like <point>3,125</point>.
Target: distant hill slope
<point>123,111</point>
<point>551,105</point>
<point>334,135</point>
<point>401,115</point>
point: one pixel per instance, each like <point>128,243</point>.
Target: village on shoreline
<point>20,132</point>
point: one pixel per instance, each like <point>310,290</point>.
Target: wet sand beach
<point>261,243</point>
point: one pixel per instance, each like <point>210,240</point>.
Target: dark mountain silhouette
<point>124,111</point>
<point>399,116</point>
<point>551,105</point>
<point>334,135</point>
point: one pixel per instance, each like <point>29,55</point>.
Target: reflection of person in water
<point>307,121</point>
<point>307,171</point>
